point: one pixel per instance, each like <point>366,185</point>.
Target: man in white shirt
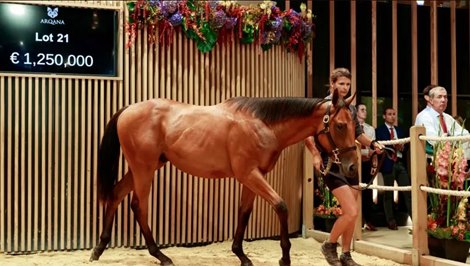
<point>366,152</point>
<point>435,120</point>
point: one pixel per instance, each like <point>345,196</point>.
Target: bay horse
<point>241,137</point>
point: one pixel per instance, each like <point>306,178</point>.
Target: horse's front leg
<point>244,212</point>
<point>256,182</point>
<point>120,190</point>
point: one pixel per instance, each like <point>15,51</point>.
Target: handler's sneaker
<point>331,255</point>
<point>346,259</point>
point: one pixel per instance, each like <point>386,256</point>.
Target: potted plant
<point>448,223</point>
<point>326,213</point>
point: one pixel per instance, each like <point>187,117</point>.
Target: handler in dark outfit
<point>346,190</point>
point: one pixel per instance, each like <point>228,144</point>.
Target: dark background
<point>342,33</point>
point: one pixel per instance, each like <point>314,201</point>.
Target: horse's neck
<point>294,130</point>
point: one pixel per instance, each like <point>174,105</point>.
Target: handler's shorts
<point>336,181</point>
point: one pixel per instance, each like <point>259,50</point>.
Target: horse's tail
<point>108,158</point>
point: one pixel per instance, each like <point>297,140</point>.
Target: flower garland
<point>212,22</point>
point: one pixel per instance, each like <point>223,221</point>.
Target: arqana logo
<point>52,13</point>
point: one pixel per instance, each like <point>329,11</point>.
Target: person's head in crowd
<point>389,115</point>
<point>361,112</point>
<point>438,99</point>
<point>426,92</point>
<point>340,79</point>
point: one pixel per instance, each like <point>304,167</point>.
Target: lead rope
<point>376,164</point>
<point>327,168</point>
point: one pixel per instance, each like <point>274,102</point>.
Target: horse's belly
<point>212,166</point>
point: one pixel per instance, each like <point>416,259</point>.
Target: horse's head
<point>337,135</point>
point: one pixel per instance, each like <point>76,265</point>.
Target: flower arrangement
<point>212,22</point>
<point>448,217</point>
<point>329,207</point>
<point>328,212</point>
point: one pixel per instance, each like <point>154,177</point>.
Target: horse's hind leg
<point>139,205</point>
<point>244,212</point>
<point>120,190</point>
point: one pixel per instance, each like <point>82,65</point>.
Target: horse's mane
<point>272,110</point>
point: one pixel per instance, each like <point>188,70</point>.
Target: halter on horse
<point>242,137</point>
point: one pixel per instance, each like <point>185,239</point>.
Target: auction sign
<point>58,40</point>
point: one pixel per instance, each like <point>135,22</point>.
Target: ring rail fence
<point>419,253</point>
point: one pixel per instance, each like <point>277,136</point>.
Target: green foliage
<point>208,21</point>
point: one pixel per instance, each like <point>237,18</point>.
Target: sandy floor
<point>261,252</point>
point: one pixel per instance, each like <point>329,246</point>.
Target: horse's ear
<point>350,99</point>
<point>335,98</point>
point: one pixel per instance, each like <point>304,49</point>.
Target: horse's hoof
<point>94,256</point>
<point>282,263</point>
<point>167,263</point>
<point>246,262</point>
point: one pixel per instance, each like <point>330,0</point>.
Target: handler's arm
<point>310,144</point>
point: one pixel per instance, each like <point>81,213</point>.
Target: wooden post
<point>434,54</point>
<point>394,57</point>
<point>414,58</point>
<point>418,197</point>
<point>332,35</point>
<point>353,50</point>
<point>358,226</point>
<point>307,193</point>
<point>453,58</point>
<point>374,63</point>
<point>309,59</point>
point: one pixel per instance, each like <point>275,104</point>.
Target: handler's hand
<point>379,148</point>
<point>317,161</point>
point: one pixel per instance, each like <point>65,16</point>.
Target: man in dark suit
<point>393,168</point>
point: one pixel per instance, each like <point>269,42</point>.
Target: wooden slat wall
<point>50,129</point>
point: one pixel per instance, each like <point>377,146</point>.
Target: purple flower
<point>219,19</point>
<point>276,24</point>
<point>170,6</point>
<point>231,22</point>
<point>154,2</point>
<point>277,36</point>
<point>176,19</point>
<point>307,28</point>
<point>213,3</point>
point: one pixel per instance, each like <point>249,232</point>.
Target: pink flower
<point>442,171</point>
<point>461,226</point>
<point>455,230</point>
<point>443,181</point>
<point>446,218</point>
